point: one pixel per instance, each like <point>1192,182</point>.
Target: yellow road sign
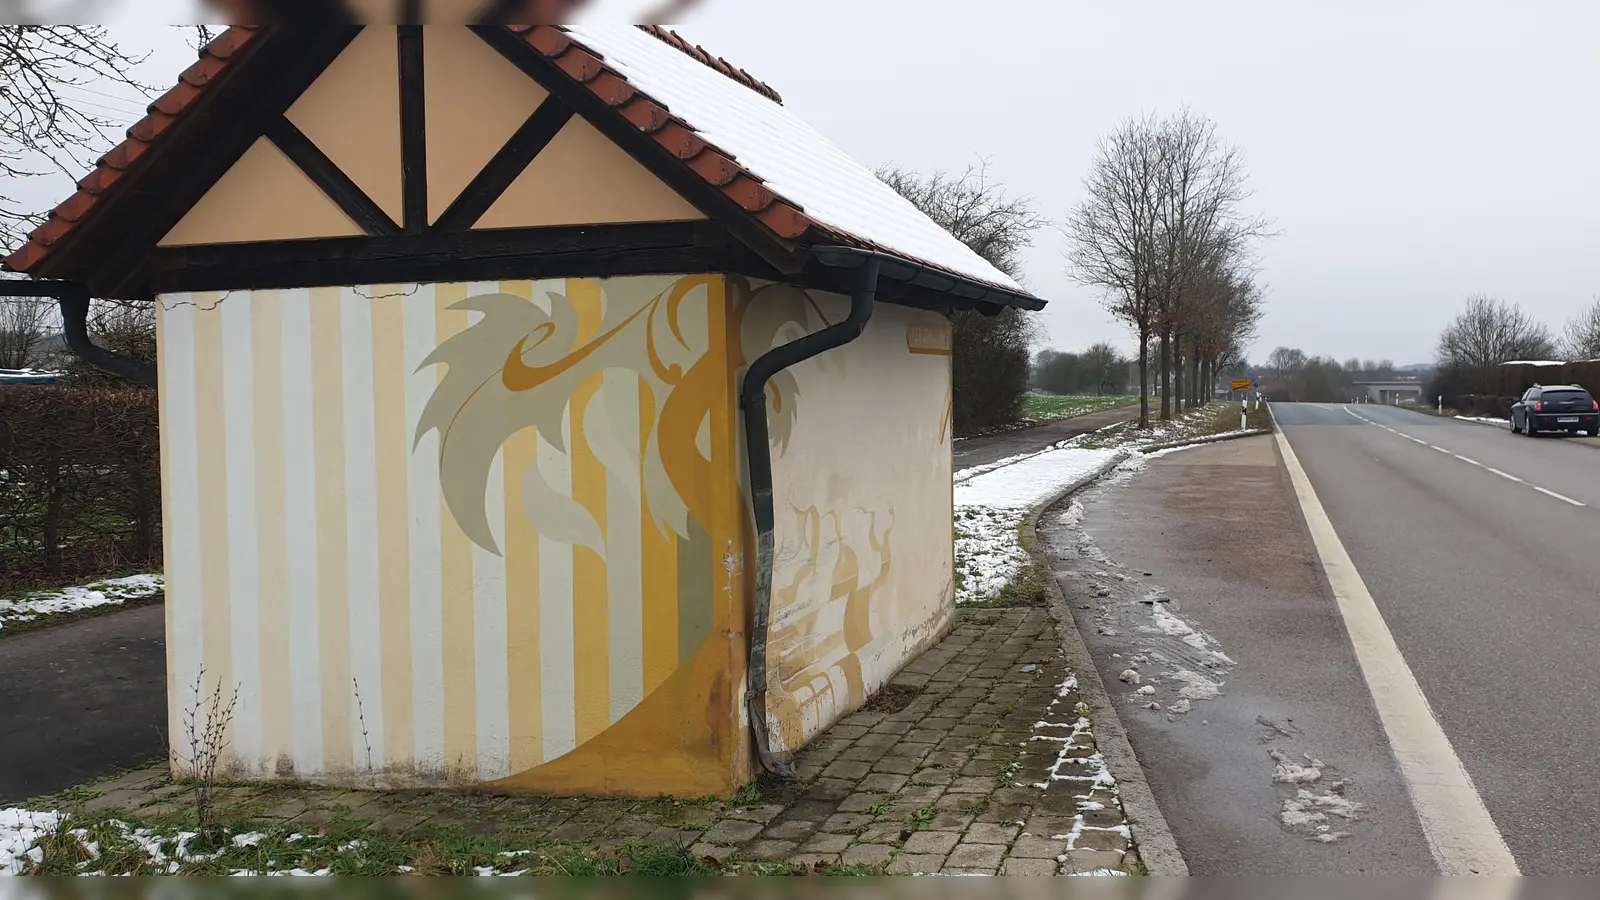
<point>1241,384</point>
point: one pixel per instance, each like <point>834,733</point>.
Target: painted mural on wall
<point>466,533</point>
<point>864,561</point>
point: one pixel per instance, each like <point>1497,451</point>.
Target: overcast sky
<point>1409,152</point>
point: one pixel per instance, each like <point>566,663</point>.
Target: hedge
<point>80,483</point>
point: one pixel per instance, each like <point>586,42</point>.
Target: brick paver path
<point>974,760</point>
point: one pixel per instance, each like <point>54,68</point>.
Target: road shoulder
<point>1197,592</point>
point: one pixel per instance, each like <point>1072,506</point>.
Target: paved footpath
<point>979,451</point>
<point>81,700</point>
<point>974,761</point>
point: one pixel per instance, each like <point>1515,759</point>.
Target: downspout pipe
<point>74,301</point>
<point>753,401</point>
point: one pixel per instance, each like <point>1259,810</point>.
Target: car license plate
<point>1565,419</point>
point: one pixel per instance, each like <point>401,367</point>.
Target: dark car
<point>1555,408</point>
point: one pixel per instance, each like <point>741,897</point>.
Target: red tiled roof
<point>587,67</point>
<point>715,167</point>
<point>110,169</point>
<point>700,53</point>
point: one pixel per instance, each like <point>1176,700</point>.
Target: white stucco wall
<point>862,579</point>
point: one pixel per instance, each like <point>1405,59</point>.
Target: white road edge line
<point>1460,832</point>
<point>1506,475</point>
<point>1550,493</point>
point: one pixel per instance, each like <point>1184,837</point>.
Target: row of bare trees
<point>1490,331</point>
<point>1164,235</point>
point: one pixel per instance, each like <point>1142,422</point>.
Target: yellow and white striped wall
<point>457,533</point>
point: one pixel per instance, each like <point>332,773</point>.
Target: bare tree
<point>1163,217</point>
<point>199,35</point>
<point>1582,340</point>
<point>1286,360</point>
<point>1202,227</point>
<point>1491,331</point>
<point>1112,234</point>
<point>24,324</point>
<point>50,119</point>
<point>1105,366</point>
<point>990,363</point>
<point>1227,306</point>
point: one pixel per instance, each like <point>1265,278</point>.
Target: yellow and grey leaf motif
<point>642,345</point>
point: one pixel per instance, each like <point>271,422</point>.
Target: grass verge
<point>1050,407</point>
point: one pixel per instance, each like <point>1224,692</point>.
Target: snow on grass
<point>990,507</point>
<point>112,846</point>
<point>20,830</point>
<point>116,591</point>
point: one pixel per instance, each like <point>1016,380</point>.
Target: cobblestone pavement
<point>977,759</point>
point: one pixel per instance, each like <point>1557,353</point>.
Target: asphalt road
<point>1487,571</point>
<point>80,701</point>
<point>979,451</point>
<point>1211,535</point>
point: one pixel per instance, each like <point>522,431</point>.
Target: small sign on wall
<point>929,339</point>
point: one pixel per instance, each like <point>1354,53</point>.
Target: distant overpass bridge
<point>1389,393</point>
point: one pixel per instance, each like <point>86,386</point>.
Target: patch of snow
<point>990,508</point>
<point>20,829</point>
<point>1148,690</point>
<point>1310,811</point>
<point>115,591</point>
<point>1131,676</point>
<point>1028,483</point>
<point>1290,772</point>
<point>250,839</point>
<point>1195,685</point>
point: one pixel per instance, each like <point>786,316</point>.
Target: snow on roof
<point>1533,362</point>
<point>793,158</point>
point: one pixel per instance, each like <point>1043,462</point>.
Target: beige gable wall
<point>352,113</point>
<point>582,178</point>
<point>476,101</point>
<point>264,197</point>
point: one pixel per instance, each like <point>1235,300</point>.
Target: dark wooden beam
<point>413,130</point>
<point>330,178</point>
<point>410,12</point>
<point>780,255</point>
<point>208,143</point>
<point>593,251</point>
<point>111,255</point>
<point>534,135</point>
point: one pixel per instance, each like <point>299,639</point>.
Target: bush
<point>80,483</point>
<point>990,366</point>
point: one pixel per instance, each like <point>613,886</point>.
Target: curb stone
<point>1158,849</point>
<point>1210,439</point>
